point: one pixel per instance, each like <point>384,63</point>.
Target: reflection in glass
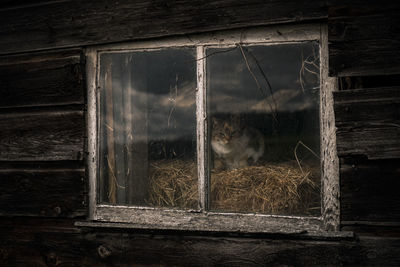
<point>147,131</point>
<point>263,104</point>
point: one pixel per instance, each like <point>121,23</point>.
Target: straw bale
<point>173,183</point>
<point>272,189</point>
<point>281,188</point>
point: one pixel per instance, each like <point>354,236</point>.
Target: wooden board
<point>369,190</point>
<point>77,23</point>
<point>47,246</point>
<point>329,159</point>
<point>368,122</point>
<point>42,192</point>
<point>41,79</point>
<point>364,40</point>
<point>42,136</point>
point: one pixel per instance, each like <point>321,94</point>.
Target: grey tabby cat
<point>235,143</point>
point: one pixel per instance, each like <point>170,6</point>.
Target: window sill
<point>213,222</point>
<point>304,234</point>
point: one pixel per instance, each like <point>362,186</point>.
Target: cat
<point>235,143</point>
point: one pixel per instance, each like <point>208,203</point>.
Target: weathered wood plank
<point>42,192</point>
<point>364,44</point>
<point>92,156</point>
<point>41,79</point>
<point>76,23</point>
<point>329,158</point>
<point>376,81</point>
<point>345,8</point>
<point>368,122</point>
<point>38,247</point>
<point>374,141</point>
<point>369,191</point>
<point>374,229</point>
<point>41,136</point>
<point>153,218</point>
<point>373,57</point>
<point>14,4</point>
<point>382,23</point>
<point>358,103</point>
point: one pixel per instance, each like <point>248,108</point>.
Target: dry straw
<point>173,183</point>
<point>271,188</point>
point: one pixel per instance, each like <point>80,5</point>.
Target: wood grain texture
<point>345,8</point>
<point>42,136</point>
<point>364,42</point>
<point>203,153</point>
<point>76,23</point>
<point>329,158</point>
<point>42,192</point>
<point>369,190</point>
<point>14,4</point>
<point>368,122</point>
<point>41,79</point>
<point>91,131</point>
<point>41,246</point>
<point>192,220</point>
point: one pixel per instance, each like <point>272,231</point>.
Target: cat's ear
<point>226,125</point>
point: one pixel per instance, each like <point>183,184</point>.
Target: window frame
<point>201,219</point>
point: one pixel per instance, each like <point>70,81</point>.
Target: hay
<point>270,189</point>
<point>173,184</point>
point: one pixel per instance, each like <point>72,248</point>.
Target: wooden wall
<point>73,23</point>
<point>43,143</point>
<point>364,37</point>
<point>63,245</point>
<point>42,137</point>
<point>363,51</point>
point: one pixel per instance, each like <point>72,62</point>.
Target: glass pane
<point>263,104</point>
<point>147,135</point>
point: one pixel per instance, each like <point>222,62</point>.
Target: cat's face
<point>224,132</point>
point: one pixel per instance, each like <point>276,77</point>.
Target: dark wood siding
<point>43,79</point>
<point>45,135</point>
<point>42,192</point>
<point>368,142</point>
<point>369,190</point>
<point>364,38</point>
<point>67,246</point>
<point>368,122</point>
<point>42,136</point>
<point>72,23</point>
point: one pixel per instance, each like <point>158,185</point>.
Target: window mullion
<point>201,117</point>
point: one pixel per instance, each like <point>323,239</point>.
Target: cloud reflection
<point>154,92</point>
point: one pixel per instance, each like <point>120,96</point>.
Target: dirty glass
<point>263,109</point>
<point>147,128</point>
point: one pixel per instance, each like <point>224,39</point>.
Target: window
<point>229,131</point>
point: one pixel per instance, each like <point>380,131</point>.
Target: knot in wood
<point>57,210</point>
<point>51,259</point>
<point>104,251</point>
